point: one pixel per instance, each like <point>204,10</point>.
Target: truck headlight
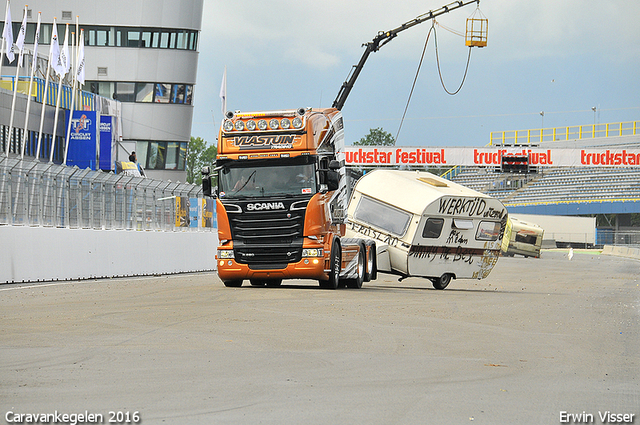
<point>251,125</point>
<point>297,122</point>
<point>262,125</point>
<point>227,125</point>
<point>285,123</point>
<point>273,124</point>
<point>224,254</point>
<point>312,252</point>
<point>239,125</point>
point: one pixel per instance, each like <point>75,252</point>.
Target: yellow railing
<point>525,137</point>
<point>568,201</point>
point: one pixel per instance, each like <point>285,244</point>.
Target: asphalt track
<point>536,340</point>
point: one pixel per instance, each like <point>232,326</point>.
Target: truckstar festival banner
<point>490,157</point>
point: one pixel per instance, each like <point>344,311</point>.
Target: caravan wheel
<point>442,281</point>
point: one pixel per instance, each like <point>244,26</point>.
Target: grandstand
<point>564,190</point>
<point>560,191</point>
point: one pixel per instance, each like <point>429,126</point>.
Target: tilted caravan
<point>522,238</point>
<point>427,226</point>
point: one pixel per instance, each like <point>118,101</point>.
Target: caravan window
<point>526,238</point>
<point>433,228</point>
<point>488,231</point>
<point>383,216</point>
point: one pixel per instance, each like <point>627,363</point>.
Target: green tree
<point>376,137</point>
<point>199,154</point>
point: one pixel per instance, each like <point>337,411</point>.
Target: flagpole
<point>80,67</point>
<point>20,44</point>
<point>223,92</point>
<point>7,27</point>
<point>34,62</point>
<point>46,87</point>
<point>64,58</point>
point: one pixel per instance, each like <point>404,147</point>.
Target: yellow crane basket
<point>477,30</point>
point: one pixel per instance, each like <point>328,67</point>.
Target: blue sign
<point>106,143</point>
<point>83,140</point>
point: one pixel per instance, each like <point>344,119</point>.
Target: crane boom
<point>383,38</point>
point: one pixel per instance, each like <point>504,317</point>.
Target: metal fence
<point>629,238</point>
<point>35,193</point>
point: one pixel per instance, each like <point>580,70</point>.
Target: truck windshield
<point>256,179</point>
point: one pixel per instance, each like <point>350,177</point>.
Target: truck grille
<point>267,239</point>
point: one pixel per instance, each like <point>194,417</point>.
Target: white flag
<point>54,50</point>
<point>21,35</point>
<point>63,61</point>
<point>223,91</point>
<point>7,35</point>
<point>80,70</point>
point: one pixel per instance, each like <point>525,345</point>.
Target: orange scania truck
<point>281,200</point>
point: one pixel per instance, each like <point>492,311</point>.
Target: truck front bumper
<point>306,268</point>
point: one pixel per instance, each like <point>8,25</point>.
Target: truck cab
<point>281,200</point>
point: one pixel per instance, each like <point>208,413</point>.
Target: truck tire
<point>335,264</point>
<point>233,283</point>
<point>372,262</point>
<point>356,283</point>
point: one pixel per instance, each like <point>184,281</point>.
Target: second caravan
<point>427,226</point>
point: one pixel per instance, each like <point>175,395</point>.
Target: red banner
<point>490,157</point>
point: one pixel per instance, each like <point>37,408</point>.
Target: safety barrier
<point>576,132</point>
<point>34,193</point>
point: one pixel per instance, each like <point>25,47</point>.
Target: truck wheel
<point>335,264</point>
<point>372,262</point>
<point>356,283</point>
<point>233,283</point>
<point>442,281</point>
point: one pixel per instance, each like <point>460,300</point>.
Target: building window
<point>180,94</point>
<point>144,92</point>
<point>162,155</point>
<point>163,93</point>
<point>125,92</point>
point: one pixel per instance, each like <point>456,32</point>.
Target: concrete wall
<point>31,254</point>
<point>622,251</point>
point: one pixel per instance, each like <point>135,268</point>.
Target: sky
<point>559,57</point>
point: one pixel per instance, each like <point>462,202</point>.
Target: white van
<point>427,226</point>
<point>522,238</point>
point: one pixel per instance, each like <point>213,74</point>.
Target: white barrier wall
<point>31,254</point>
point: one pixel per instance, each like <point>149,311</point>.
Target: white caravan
<point>522,238</point>
<point>427,226</point>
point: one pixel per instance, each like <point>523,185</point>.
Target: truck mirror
<point>333,179</point>
<point>334,165</point>
<point>206,185</point>
<point>205,170</point>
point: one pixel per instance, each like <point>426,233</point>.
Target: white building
<point>144,53</point>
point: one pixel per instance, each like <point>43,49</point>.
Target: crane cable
<point>415,79</point>
<point>435,36</point>
<point>424,49</point>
